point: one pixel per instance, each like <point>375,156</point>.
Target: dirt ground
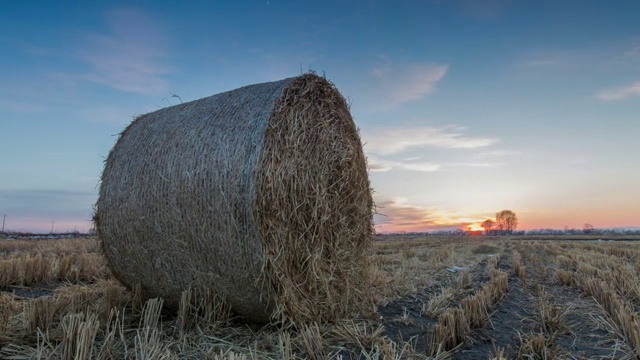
<point>585,330</point>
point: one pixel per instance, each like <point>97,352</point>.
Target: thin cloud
<point>407,83</point>
<point>377,164</point>
<point>130,56</point>
<point>384,145</point>
<point>619,93</point>
<point>396,140</point>
<point>397,214</point>
<point>475,164</point>
<point>495,154</point>
<point>631,55</point>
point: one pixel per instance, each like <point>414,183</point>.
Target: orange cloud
<point>396,215</point>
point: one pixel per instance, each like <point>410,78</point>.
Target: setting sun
<point>475,227</point>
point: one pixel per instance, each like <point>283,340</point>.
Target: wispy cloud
<point>396,214</point>
<point>385,147</point>
<point>631,55</point>
<point>130,56</point>
<point>409,82</point>
<point>474,164</point>
<point>620,92</point>
<point>395,140</point>
<point>377,164</point>
<point>495,154</point>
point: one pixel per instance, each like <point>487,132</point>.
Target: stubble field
<point>433,298</point>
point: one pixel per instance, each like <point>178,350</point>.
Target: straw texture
<point>260,193</point>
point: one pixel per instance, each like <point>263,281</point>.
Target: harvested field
<point>436,298</point>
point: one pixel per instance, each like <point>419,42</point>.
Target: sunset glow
<point>475,228</point>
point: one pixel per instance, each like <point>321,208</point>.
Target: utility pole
<point>4,217</point>
<point>51,226</point>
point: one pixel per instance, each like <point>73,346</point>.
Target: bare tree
<point>488,225</point>
<point>587,228</point>
<point>506,220</point>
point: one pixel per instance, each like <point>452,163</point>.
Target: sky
<point>465,107</point>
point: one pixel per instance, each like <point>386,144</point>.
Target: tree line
<point>506,222</point>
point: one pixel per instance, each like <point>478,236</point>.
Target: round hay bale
<point>260,193</point>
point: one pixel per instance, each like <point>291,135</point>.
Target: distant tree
<point>506,221</point>
<point>587,228</point>
<point>488,225</point>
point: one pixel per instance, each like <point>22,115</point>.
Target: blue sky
<point>466,107</point>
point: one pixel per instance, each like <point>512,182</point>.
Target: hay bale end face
<point>260,193</point>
